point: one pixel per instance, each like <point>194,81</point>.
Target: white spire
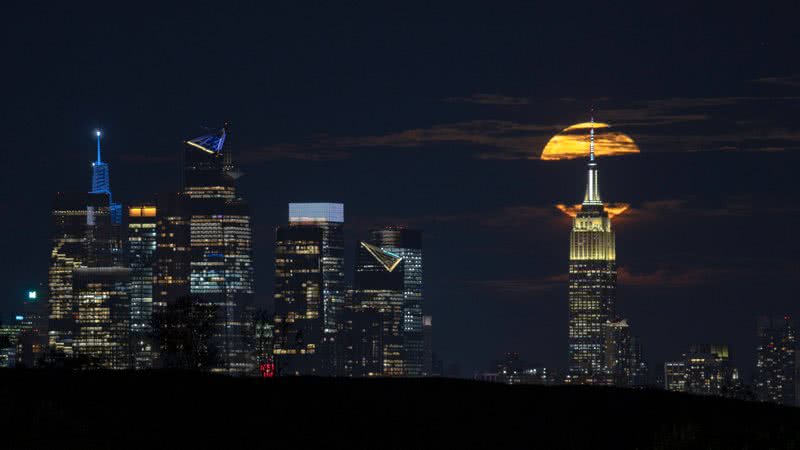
<point>591,139</point>
<point>592,196</point>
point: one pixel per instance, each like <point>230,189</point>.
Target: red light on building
<point>267,369</point>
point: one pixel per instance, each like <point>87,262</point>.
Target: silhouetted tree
<point>183,330</point>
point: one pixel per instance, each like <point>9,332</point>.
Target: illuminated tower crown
<point>101,183</point>
<point>592,196</point>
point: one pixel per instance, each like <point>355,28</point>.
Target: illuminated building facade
<point>619,361</point>
<point>775,360</point>
<point>592,283</point>
<point>102,317</point>
<point>10,331</point>
<point>675,376</point>
<point>709,371</point>
<point>173,250</point>
<point>309,290</point>
<point>33,334</point>
<point>220,242</point>
<point>80,237</point>
<point>298,300</point>
<point>377,313</point>
<point>142,245</point>
<point>407,244</point>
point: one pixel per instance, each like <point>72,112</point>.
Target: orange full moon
<point>573,142</point>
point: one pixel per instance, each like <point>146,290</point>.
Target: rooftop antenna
<point>591,136</point>
<point>97,132</point>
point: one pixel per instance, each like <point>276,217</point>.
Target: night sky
<point>434,117</point>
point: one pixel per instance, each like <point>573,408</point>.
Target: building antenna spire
<point>98,145</point>
<point>591,137</point>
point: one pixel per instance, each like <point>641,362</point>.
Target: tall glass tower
<point>309,290</point>
<point>80,237</point>
<point>407,244</point>
<point>220,239</point>
<point>592,283</point>
<point>775,360</point>
<point>376,313</point>
<point>142,244</point>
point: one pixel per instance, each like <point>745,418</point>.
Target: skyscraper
<point>86,233</point>
<point>775,364</point>
<point>173,251</point>
<point>619,359</point>
<point>142,238</point>
<point>592,282</point>
<point>675,376</point>
<point>101,184</point>
<point>102,317</point>
<point>407,244</point>
<point>377,313</point>
<point>709,371</point>
<point>309,290</point>
<point>80,238</point>
<point>221,266</point>
<point>33,334</point>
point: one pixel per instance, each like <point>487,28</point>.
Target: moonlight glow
<point>573,142</point>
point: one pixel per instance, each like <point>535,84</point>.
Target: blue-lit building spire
<point>100,177</point>
<point>101,183</point>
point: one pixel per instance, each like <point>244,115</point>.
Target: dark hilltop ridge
<point>70,409</point>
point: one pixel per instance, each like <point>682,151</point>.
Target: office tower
<point>33,334</point>
<point>10,330</point>
<point>220,239</point>
<point>427,331</point>
<point>102,317</point>
<point>378,305</point>
<point>101,184</point>
<point>298,300</point>
<point>80,237</point>
<point>142,239</point>
<point>675,376</point>
<point>407,244</point>
<point>618,352</point>
<point>592,282</point>
<point>709,371</point>
<point>173,250</point>
<point>775,364</point>
<point>309,290</point>
<point>264,338</point>
<point>86,233</point>
<point>640,375</point>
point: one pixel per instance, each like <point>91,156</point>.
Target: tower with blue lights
<point>220,241</point>
<point>101,183</point>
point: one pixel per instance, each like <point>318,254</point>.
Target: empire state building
<point>592,282</point>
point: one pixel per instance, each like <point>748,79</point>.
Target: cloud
<point>489,99</point>
<point>514,140</point>
<point>499,134</point>
<point>675,278</point>
<point>787,80</point>
<point>517,287</point>
<point>302,152</point>
<point>504,218</point>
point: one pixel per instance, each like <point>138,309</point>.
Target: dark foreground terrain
<point>61,410</point>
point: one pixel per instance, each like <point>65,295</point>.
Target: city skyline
<point>445,148</point>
